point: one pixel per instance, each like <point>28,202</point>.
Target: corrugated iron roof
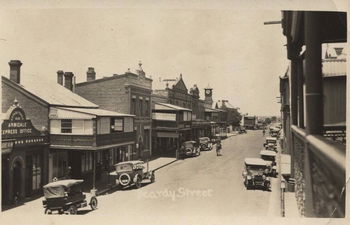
<point>97,112</point>
<point>53,93</point>
<point>333,67</point>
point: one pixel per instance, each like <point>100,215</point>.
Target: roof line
<point>114,76</point>
<point>24,91</point>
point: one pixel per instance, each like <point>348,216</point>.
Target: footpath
<point>289,206</point>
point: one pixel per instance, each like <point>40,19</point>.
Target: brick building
<point>128,93</point>
<point>48,131</point>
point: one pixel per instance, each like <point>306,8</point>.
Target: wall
<point>35,111</point>
<point>109,94</point>
<point>334,89</point>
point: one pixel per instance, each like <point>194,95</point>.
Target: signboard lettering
<point>20,130</point>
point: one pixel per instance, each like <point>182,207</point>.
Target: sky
<point>230,50</point>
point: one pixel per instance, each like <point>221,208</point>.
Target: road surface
<point>206,186</point>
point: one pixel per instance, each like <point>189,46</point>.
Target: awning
<point>167,134</point>
<point>169,107</point>
<point>90,148</point>
<point>82,113</point>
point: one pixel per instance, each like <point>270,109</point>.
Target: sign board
<point>20,131</point>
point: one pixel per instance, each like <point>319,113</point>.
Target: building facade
<point>56,134</point>
<point>128,93</point>
<point>318,162</point>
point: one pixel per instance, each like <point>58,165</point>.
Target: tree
<point>267,120</point>
<point>273,119</point>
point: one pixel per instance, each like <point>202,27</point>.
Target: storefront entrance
<point>17,180</point>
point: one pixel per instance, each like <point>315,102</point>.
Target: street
<point>207,185</point>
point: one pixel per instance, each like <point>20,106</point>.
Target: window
<point>36,172</point>
<point>66,126</point>
<point>133,106</point>
<point>147,108</point>
<point>128,124</point>
<point>86,162</point>
<point>141,107</point>
<point>146,139</point>
<point>118,125</point>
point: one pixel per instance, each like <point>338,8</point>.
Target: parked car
<point>255,174</point>
<point>270,144</point>
<point>205,144</point>
<point>65,196</point>
<point>270,158</point>
<point>132,173</point>
<point>189,149</point>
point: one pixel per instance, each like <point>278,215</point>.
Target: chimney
<point>15,70</point>
<point>60,77</point>
<point>90,74</point>
<point>68,80</point>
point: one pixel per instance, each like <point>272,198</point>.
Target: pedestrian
<point>218,148</point>
<point>263,132</point>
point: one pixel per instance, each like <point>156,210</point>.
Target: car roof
<point>271,138</point>
<point>190,142</point>
<point>267,152</point>
<point>64,183</point>
<point>255,161</point>
<point>203,138</point>
<point>130,162</point>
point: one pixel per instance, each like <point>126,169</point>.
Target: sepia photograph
<point>173,113</point>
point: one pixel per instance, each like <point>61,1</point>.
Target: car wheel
<point>138,182</point>
<point>93,203</point>
<point>48,211</point>
<point>72,210</point>
<point>153,178</point>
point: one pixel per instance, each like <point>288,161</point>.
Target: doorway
<point>17,180</point>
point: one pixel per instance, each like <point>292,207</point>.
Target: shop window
<point>66,126</point>
<point>36,172</point>
<point>86,162</point>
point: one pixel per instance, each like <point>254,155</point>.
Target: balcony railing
<point>71,140</point>
<point>89,140</point>
<point>115,138</point>
<point>319,170</point>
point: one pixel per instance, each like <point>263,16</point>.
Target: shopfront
<point>24,156</point>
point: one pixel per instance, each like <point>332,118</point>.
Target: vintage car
<point>271,144</point>
<point>274,132</point>
<point>255,174</point>
<point>65,196</point>
<point>270,158</point>
<point>205,144</point>
<point>189,149</point>
<point>132,173</point>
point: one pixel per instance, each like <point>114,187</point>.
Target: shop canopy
<point>169,107</point>
<point>82,113</point>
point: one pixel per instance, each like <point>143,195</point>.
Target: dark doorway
<point>4,180</point>
<point>17,180</point>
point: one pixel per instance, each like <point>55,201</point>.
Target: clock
<point>207,92</point>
